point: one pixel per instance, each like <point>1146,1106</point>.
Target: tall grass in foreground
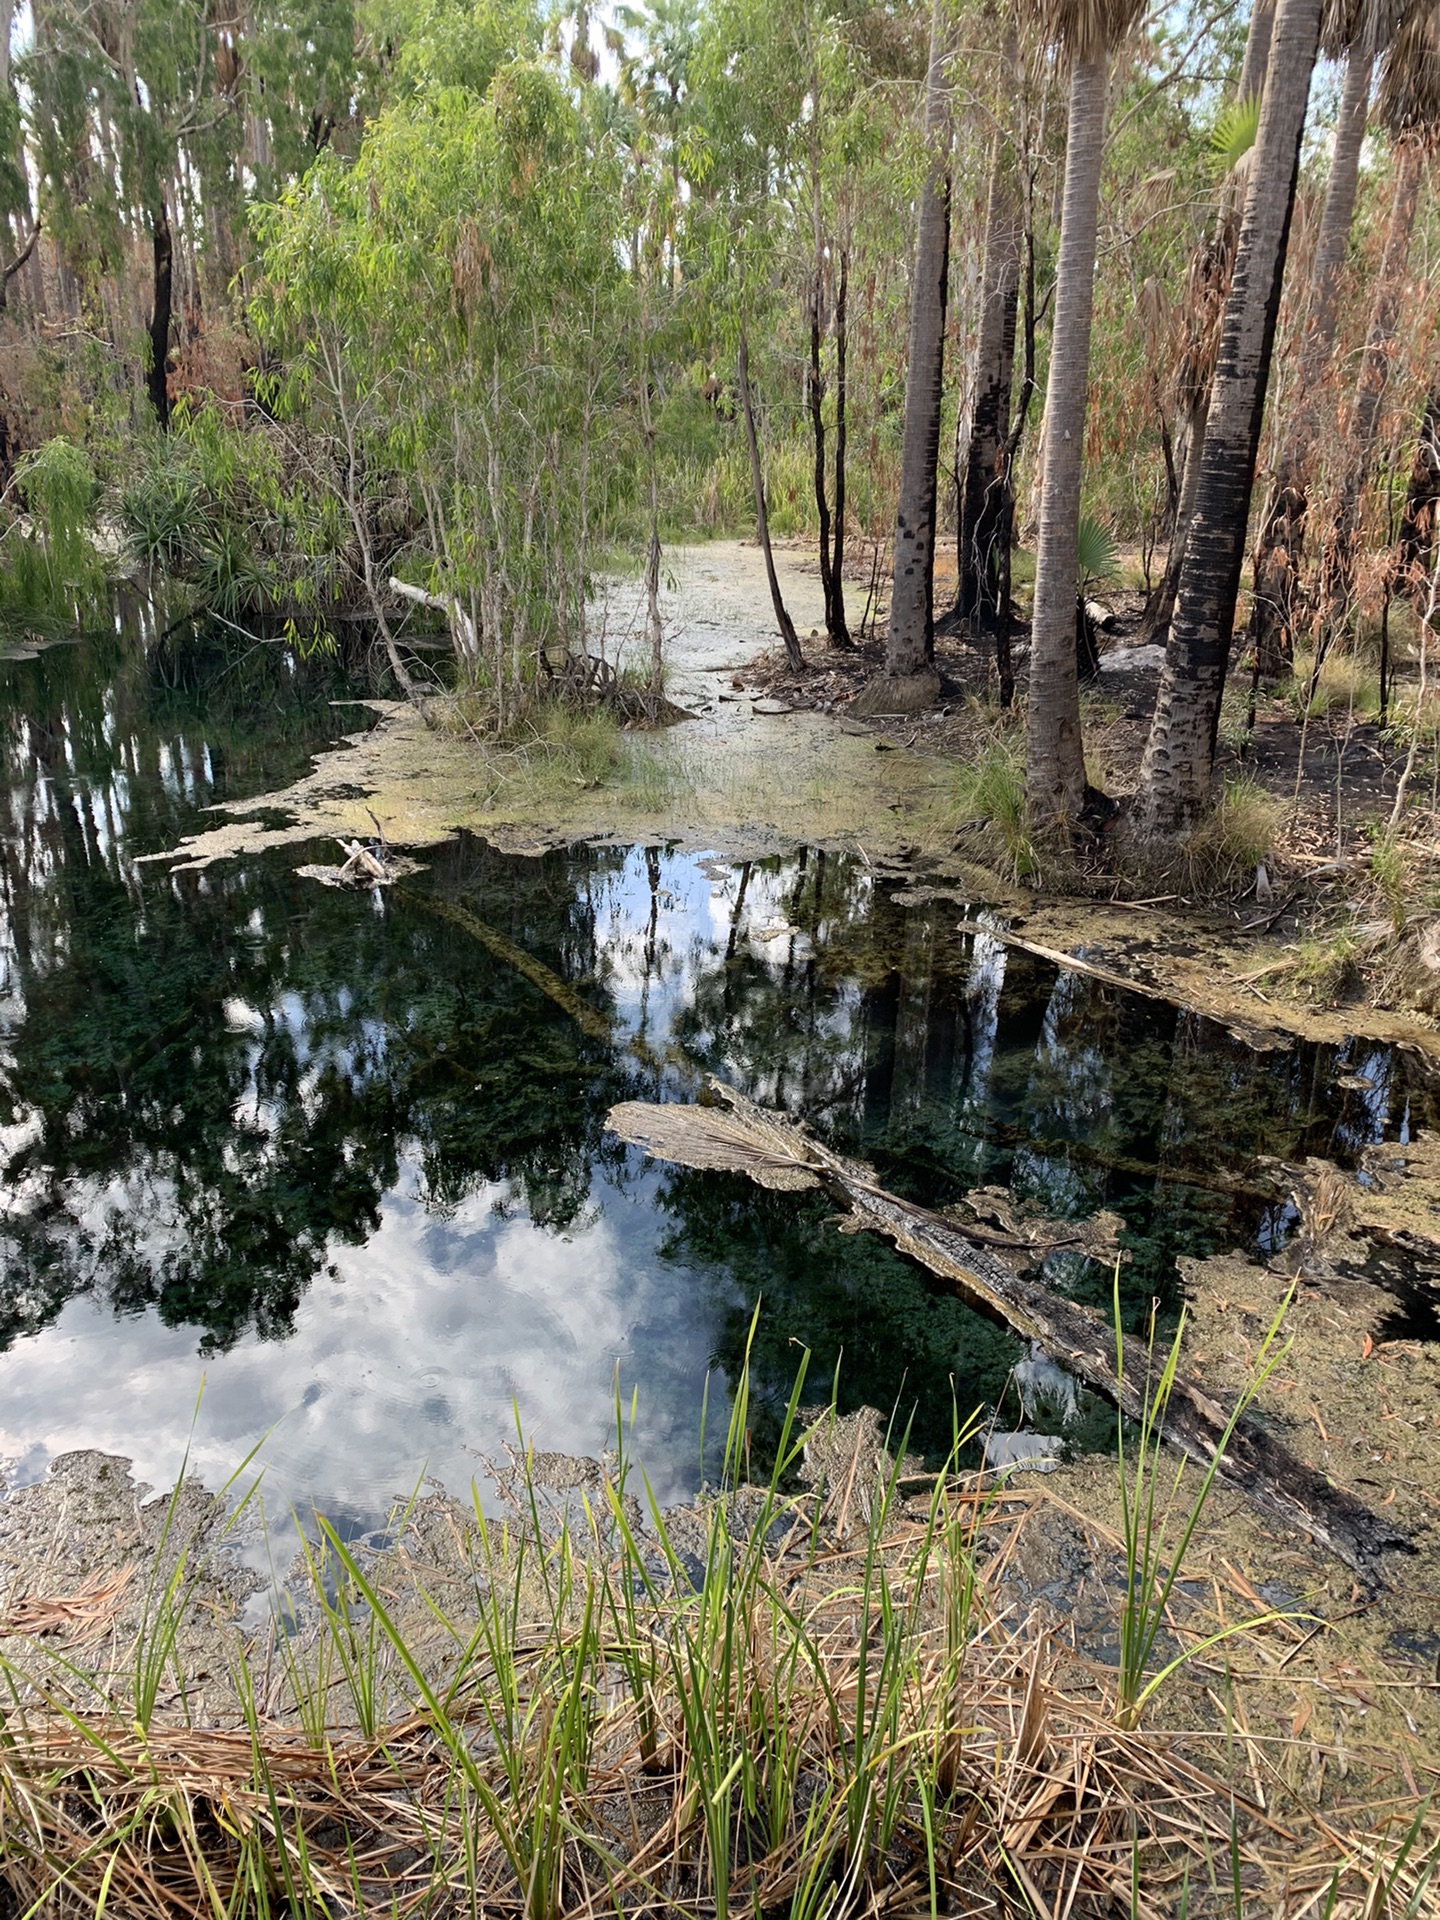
<point>1150,1571</point>
<point>778,1703</point>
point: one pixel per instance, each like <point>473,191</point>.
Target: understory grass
<point>984,800</point>
<point>801,1700</point>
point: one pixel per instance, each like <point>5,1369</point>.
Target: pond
<point>328,1173</point>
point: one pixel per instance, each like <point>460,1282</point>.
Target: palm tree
<point>1179,755</point>
<point>909,682</point>
<point>1089,31</point>
<point>1357,30</point>
<point>1409,106</point>
<point>1201,307</point>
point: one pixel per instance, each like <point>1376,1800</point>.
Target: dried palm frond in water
<point>719,1140</point>
<point>739,1136</point>
<point>79,1616</point>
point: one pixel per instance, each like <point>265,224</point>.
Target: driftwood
<point>773,1150</point>
<point>462,627</point>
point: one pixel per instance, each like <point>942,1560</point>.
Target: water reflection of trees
<point>210,1081</point>
<point>300,1050</point>
<point>949,1063</point>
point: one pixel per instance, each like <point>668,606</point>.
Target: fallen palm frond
<point>733,1132</point>
<point>81,1616</point>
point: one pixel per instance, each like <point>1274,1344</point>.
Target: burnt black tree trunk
<point>817,427</point>
<point>157,378</point>
<point>985,514</point>
<point>839,630</point>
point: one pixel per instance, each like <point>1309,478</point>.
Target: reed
<point>797,1700</point>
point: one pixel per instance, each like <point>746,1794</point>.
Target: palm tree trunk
<point>1180,754</point>
<point>1210,273</point>
<point>1339,570</point>
<point>783,621</point>
<point>982,506</point>
<point>1054,754</point>
<point>839,630</point>
<point>1160,607</point>
<point>1257,49</point>
<point>910,682</point>
<point>1279,552</point>
<point>1005,540</point>
<point>156,380</point>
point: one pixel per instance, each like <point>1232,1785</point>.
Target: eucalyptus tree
<point>1180,753</point>
<point>308,74</point>
<point>120,98</point>
<point>654,44</point>
<point>1409,107</point>
<point>17,214</point>
<point>831,135</point>
<point>986,507</point>
<point>1356,29</point>
<point>1088,32</point>
<point>909,682</point>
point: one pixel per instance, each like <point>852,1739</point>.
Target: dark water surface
<point>337,1158</point>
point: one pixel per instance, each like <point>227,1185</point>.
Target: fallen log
<point>462,628</point>
<point>736,1135</point>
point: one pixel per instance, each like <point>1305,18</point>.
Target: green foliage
<point>989,790</point>
<point>57,484</point>
<point>1394,874</point>
<point>1234,132</point>
<point>490,438</point>
<point>1098,551</point>
<point>215,507</point>
<point>1236,835</point>
<point>1328,968</point>
<point>1153,1561</point>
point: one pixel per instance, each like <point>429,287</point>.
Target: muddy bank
<point>736,775</point>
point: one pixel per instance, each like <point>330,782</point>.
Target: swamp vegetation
<point>807,1281</point>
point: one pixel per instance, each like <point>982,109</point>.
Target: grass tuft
<point>988,794</point>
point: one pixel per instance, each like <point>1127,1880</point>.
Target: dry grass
<point>829,1708</point>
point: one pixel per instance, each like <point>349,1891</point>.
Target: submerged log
<point>775,1151</point>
